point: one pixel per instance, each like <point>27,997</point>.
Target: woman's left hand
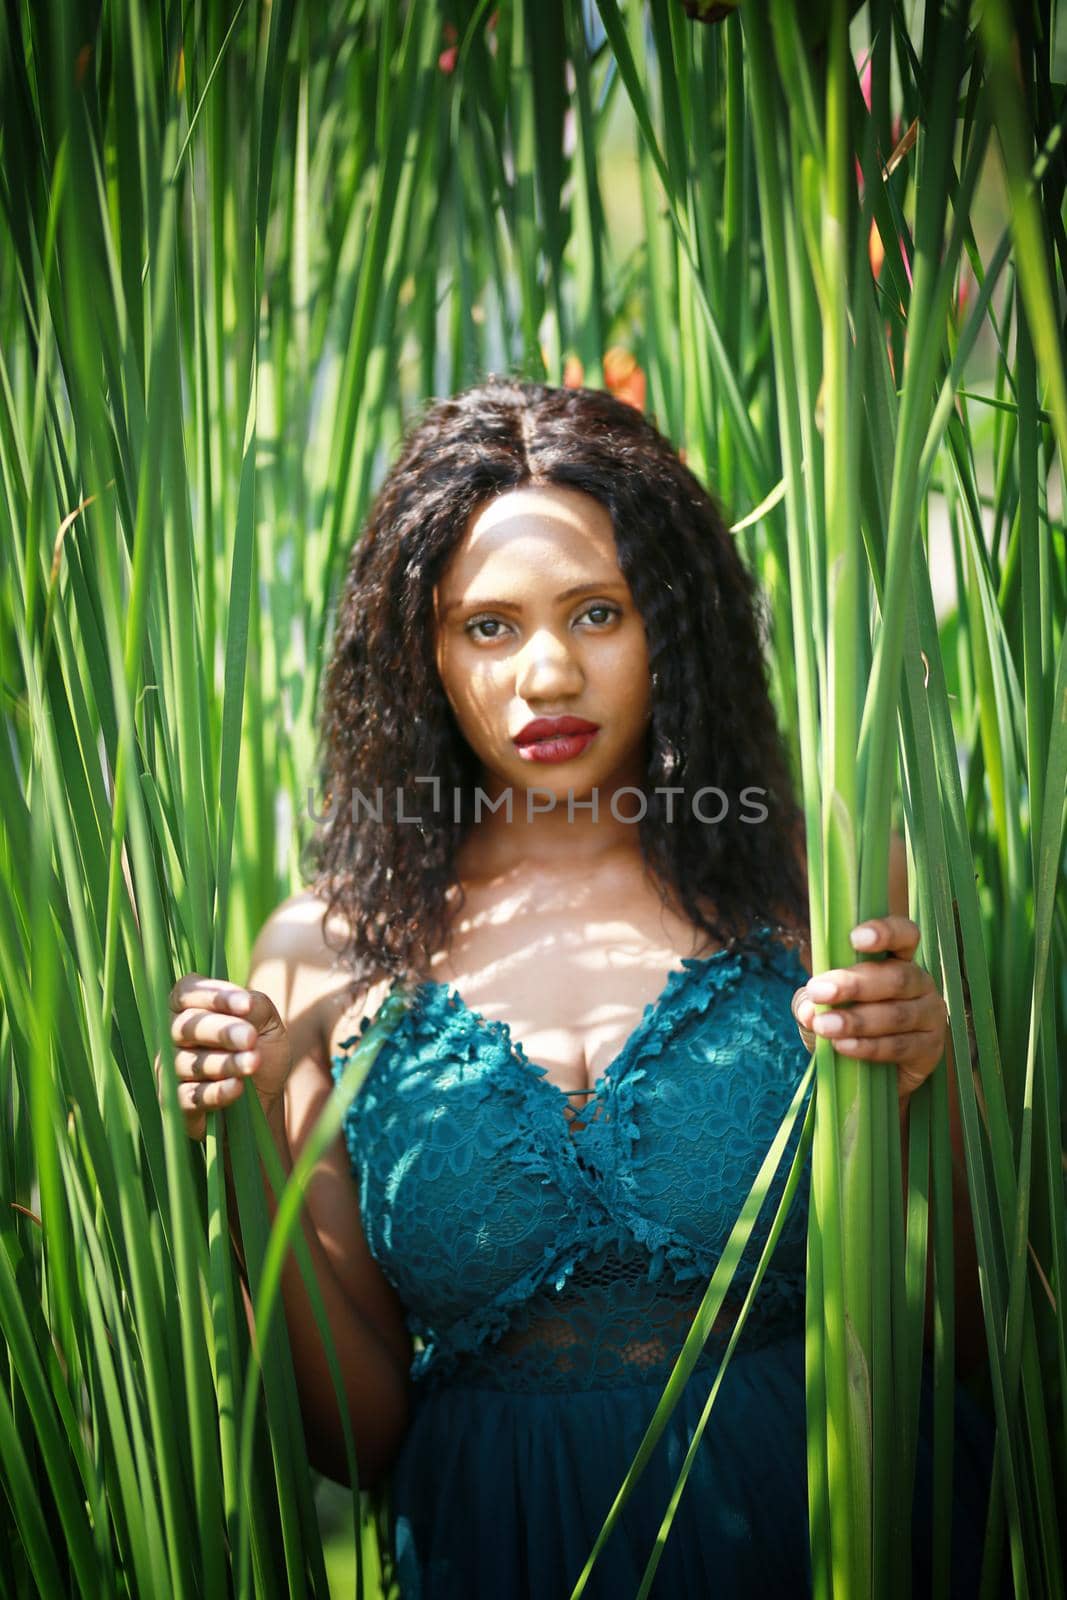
<point>883,1010</point>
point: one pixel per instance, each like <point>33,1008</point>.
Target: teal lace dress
<point>550,1273</point>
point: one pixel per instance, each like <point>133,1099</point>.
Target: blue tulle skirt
<point>499,1494</point>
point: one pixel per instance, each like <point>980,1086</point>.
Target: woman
<point>559,826</point>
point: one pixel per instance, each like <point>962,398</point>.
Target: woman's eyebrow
<point>513,605</point>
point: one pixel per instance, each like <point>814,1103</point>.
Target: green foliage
<point>241,242</point>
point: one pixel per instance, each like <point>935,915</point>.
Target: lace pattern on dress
<point>530,1255</point>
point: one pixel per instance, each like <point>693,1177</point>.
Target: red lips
<point>553,728</point>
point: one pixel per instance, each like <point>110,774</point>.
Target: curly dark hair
<point>385,716</point>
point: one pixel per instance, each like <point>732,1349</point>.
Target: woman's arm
<point>290,963</point>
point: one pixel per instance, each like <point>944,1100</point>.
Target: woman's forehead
<point>532,504</point>
<point>533,533</point>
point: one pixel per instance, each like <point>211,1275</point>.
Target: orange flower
<point>622,376</point>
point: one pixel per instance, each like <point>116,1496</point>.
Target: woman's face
<point>534,619</point>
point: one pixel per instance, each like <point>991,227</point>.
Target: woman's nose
<point>546,666</point>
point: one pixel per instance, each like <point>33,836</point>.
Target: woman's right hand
<point>223,1034</point>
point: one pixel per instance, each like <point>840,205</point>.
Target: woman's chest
<point>465,1157</point>
<point>571,968</point>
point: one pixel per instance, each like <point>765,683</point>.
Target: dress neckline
<point>496,1027</point>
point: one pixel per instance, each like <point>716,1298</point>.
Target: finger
<point>204,1096</point>
<point>896,935</point>
<point>869,981</point>
<point>213,1028</point>
<point>803,1008</point>
<point>898,1047</point>
<point>192,1065</point>
<point>226,999</point>
<point>196,989</point>
<point>869,1021</point>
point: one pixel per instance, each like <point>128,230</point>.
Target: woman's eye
<point>607,614</point>
<point>482,622</point>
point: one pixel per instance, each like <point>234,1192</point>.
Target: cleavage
<point>580,1094</point>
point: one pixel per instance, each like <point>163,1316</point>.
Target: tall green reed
<point>858,449</point>
<point>216,316</point>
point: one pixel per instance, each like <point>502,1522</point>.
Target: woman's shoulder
<point>297,959</point>
<point>297,930</point>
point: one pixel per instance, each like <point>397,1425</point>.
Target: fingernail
<point>829,1024</point>
<point>237,1002</point>
<point>822,989</point>
<point>244,1060</point>
<point>863,938</point>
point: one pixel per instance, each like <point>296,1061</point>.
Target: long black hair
<point>385,716</point>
